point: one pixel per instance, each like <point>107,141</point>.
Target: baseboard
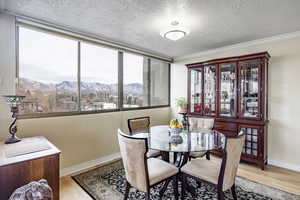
<point>284,165</point>
<point>88,165</point>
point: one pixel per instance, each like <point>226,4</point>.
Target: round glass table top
<point>159,139</point>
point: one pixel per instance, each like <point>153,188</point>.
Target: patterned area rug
<point>108,182</point>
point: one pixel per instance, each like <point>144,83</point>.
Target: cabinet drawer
<point>226,126</point>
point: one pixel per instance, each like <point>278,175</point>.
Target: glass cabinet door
<point>209,90</point>
<point>227,90</point>
<point>249,89</point>
<point>251,145</point>
<point>196,91</point>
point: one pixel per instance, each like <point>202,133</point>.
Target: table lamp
<point>14,101</point>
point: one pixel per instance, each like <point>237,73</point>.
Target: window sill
<point>63,114</point>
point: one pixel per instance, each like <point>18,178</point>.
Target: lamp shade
<point>174,34</point>
<point>174,31</point>
<point>13,100</point>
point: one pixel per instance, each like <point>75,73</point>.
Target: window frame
<point>120,52</point>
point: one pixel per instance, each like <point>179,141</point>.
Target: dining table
<point>160,139</point>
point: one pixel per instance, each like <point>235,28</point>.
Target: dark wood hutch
<point>234,91</point>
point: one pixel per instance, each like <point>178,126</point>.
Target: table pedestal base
<point>180,159</point>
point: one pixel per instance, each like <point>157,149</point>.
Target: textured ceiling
<point>212,23</point>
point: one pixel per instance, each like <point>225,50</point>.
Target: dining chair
<point>200,124</point>
<point>142,125</point>
<point>139,125</point>
<point>143,172</point>
<point>221,175</point>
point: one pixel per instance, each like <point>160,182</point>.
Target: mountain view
<point>62,97</point>
<point>86,87</point>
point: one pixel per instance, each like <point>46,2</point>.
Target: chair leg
<point>220,195</point>
<point>147,196</point>
<point>164,188</point>
<point>175,186</point>
<point>207,155</point>
<point>174,157</point>
<point>233,192</point>
<point>126,190</point>
<point>199,183</point>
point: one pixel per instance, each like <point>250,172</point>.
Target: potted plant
<point>182,104</point>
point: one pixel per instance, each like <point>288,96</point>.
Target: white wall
<point>7,68</point>
<point>178,86</point>
<point>284,94</point>
<point>7,54</point>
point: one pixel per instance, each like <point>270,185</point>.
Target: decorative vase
<point>175,130</point>
<point>175,137</point>
<point>183,109</point>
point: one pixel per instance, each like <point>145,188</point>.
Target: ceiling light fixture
<point>174,32</point>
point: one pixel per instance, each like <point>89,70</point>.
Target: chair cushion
<point>203,169</point>
<point>160,170</point>
<point>197,154</point>
<point>153,153</point>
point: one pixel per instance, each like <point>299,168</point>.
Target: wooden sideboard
<point>234,91</point>
<point>31,159</point>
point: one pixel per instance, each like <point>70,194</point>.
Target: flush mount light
<point>174,32</point>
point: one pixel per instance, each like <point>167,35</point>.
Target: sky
<point>49,58</point>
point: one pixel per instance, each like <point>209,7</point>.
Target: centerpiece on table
<point>175,130</point>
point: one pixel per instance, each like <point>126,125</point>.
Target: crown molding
<point>240,45</point>
<point>2,5</point>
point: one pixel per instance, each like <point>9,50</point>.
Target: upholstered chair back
<point>133,152</point>
<point>139,125</point>
<point>233,147</point>
<point>199,124</point>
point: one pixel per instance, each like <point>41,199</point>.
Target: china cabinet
<point>234,91</point>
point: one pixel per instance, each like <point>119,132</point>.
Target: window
<point>59,74</point>
<point>99,78</point>
<point>135,81</point>
<point>159,83</point>
<point>47,72</point>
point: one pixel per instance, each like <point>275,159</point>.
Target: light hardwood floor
<point>272,176</point>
